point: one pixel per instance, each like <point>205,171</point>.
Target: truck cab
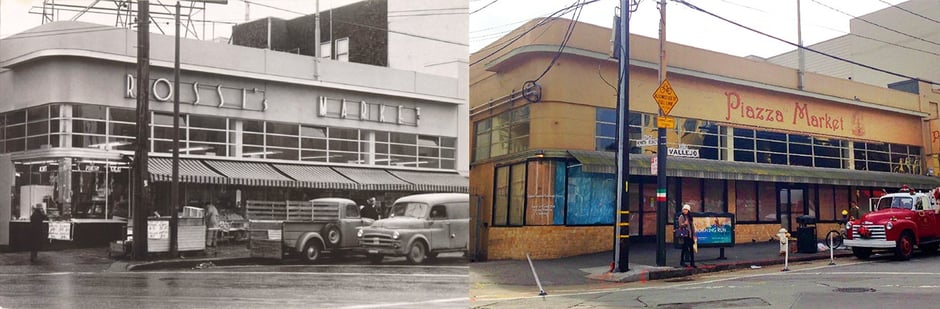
<point>900,222</point>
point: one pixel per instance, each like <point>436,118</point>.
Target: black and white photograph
<point>295,154</point>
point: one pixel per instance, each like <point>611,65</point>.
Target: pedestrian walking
<point>369,211</point>
<point>685,232</point>
<point>37,232</point>
<point>211,219</point>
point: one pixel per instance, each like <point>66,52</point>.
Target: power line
<point>503,45</point>
<point>692,6</point>
<point>480,9</point>
<point>909,11</point>
<point>843,32</point>
<point>399,32</point>
<point>564,42</point>
<point>875,24</point>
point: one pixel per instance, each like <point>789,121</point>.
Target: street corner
<point>635,273</point>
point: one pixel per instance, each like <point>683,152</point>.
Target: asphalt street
<point>878,283</point>
<point>341,283</point>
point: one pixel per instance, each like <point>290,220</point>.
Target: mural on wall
<point>591,197</point>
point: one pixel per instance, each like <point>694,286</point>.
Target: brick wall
<point>548,242</point>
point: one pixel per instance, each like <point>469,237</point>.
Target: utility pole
<point>800,52</point>
<point>141,198</point>
<point>175,186</point>
<point>661,150</point>
<point>622,229</point>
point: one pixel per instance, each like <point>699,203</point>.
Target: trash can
<point>806,234</point>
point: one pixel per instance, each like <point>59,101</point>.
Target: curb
<point>192,263</point>
<point>653,274</point>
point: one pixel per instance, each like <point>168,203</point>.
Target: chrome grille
<point>877,231</point>
<point>377,241</point>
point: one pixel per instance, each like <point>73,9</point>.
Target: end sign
<point>666,97</point>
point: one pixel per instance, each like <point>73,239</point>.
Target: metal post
<point>143,125</point>
<point>622,229</point>
<point>661,150</point>
<point>175,186</point>
<point>786,255</point>
<point>832,257</point>
<point>539,283</point>
<point>800,52</point>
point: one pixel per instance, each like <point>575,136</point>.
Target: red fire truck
<point>900,222</point>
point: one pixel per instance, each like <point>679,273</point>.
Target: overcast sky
<point>687,26</point>
<point>15,15</point>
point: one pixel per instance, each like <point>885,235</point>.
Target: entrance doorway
<point>792,205</point>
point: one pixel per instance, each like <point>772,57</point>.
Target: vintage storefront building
<point>255,124</point>
<point>748,141</point>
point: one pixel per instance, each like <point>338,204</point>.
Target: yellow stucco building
<point>755,144</point>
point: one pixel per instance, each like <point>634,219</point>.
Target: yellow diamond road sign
<point>666,97</point>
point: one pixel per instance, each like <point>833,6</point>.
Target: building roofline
<point>513,55</point>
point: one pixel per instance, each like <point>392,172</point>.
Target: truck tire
<point>861,253</point>
<point>417,253</point>
<point>312,251</point>
<point>333,235</point>
<point>905,247</point>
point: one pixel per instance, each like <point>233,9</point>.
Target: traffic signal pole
<point>661,150</point>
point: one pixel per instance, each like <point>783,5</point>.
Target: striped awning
<point>251,174</point>
<point>435,182</point>
<point>316,177</point>
<point>191,171</point>
<point>374,179</point>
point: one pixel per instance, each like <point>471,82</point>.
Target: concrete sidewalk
<point>594,268</point>
<point>97,260</point>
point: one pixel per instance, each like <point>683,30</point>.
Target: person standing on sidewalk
<point>36,230</point>
<point>685,231</point>
<point>212,224</point>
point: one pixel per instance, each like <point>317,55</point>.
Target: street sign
<point>665,122</point>
<point>666,97</point>
<point>646,141</point>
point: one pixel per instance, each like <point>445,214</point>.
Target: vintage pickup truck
<point>330,228</point>
<point>900,222</point>
<point>420,226</point>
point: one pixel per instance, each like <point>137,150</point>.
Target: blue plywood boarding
<point>590,197</point>
<point>559,210</point>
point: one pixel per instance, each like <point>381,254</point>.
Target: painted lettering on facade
<point>367,111</point>
<point>161,90</point>
<point>803,115</point>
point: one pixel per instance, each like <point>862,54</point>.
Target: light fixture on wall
<point>539,153</point>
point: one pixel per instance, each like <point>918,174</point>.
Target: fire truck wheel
<point>930,248</point>
<point>905,247</point>
<point>861,253</point>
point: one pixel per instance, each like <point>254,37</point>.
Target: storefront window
<point>767,205</point>
<point>591,197</point>
<point>649,209</point>
<point>545,189</point>
<point>715,195</point>
<point>826,203</point>
<point>841,198</point>
<point>517,194</point>
<point>691,193</point>
<point>605,132</point>
<point>501,197</point>
<point>505,133</point>
<point>745,205</point>
<point>634,195</point>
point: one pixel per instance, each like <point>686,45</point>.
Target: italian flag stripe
<point>660,195</point>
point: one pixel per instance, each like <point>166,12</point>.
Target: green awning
<point>605,162</point>
<point>601,162</point>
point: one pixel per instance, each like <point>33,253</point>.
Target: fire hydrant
<point>784,237</point>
